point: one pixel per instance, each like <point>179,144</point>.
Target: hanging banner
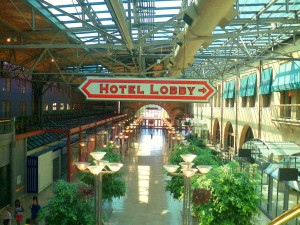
<point>187,90</point>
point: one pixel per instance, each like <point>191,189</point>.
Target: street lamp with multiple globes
<point>187,171</point>
<point>98,170</point>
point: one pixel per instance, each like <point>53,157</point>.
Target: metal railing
<point>286,112</point>
<point>6,126</point>
<point>287,216</point>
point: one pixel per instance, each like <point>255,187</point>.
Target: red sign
<point>147,89</point>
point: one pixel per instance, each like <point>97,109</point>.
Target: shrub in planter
<point>195,141</point>
<point>234,196</point>
<point>114,185</point>
<point>204,157</point>
<point>72,204</point>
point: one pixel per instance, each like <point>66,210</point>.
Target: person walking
<point>35,208</point>
<point>18,212</point>
<point>7,216</point>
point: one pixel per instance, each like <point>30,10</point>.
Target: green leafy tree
<point>114,185</point>
<point>193,140</point>
<point>234,195</point>
<point>72,204</point>
<point>204,157</point>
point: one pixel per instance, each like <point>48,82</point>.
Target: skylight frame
<point>165,9</point>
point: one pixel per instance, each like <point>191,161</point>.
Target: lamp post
<point>98,170</point>
<point>187,171</point>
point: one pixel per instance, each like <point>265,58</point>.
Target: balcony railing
<point>6,126</point>
<point>286,113</point>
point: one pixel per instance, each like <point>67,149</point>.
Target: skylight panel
<point>71,10</point>
<point>164,4</point>
<point>65,18</point>
<point>107,22</point>
<point>100,8</point>
<point>73,25</point>
<point>104,15</point>
<point>161,19</point>
<point>89,39</point>
<point>61,2</point>
<point>54,11</point>
<point>167,12</point>
<point>87,35</point>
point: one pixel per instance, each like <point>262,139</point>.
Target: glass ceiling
<point>138,33</point>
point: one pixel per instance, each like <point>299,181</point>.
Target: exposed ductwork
<point>201,18</point>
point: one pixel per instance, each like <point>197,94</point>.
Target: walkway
<point>146,201</point>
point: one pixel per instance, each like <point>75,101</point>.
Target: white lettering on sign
<point>147,89</point>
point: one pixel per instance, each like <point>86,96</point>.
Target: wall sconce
<point>11,39</point>
<point>82,144</point>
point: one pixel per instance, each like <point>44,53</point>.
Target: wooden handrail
<point>287,216</point>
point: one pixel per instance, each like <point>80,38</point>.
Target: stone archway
<point>170,107</point>
<point>228,137</point>
<point>216,132</point>
<point>246,135</point>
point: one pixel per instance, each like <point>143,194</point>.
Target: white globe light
<point>82,165</point>
<point>95,169</point>
<point>114,166</point>
<point>102,163</point>
<point>98,155</point>
<point>204,168</point>
<point>188,157</point>
<point>171,168</point>
<point>189,172</point>
<point>186,165</point>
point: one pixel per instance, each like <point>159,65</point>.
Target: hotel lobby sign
<point>186,90</point>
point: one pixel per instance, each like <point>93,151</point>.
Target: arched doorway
<point>152,115</point>
<point>229,137</point>
<point>216,134</point>
<point>246,135</point>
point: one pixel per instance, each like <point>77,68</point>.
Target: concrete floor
<point>146,201</point>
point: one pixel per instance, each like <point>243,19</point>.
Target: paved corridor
<point>146,201</point>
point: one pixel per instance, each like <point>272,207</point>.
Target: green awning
<point>251,85</point>
<point>243,86</point>
<point>287,78</point>
<point>266,82</point>
<point>231,89</point>
<point>226,89</point>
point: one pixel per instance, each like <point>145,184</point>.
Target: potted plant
<point>204,157</point>
<point>234,196</point>
<point>72,204</point>
<point>114,185</point>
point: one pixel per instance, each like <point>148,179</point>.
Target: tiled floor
<point>146,201</point>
